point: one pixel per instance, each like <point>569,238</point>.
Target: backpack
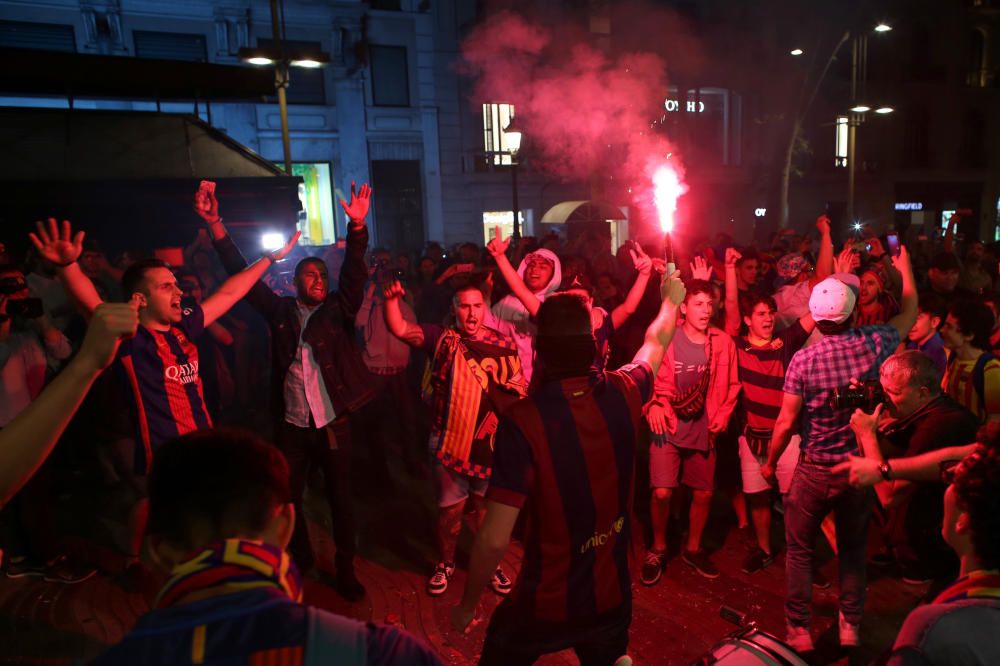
<point>979,376</point>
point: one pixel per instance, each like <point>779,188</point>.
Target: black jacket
<point>329,331</point>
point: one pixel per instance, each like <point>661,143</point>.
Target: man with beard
<point>695,394</point>
<point>317,376</point>
<point>475,373</point>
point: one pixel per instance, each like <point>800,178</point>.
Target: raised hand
<point>846,261</point>
<point>672,288</point>
<point>357,210</point>
<point>700,270</point>
<point>732,256</point>
<point>498,246</point>
<point>862,422</point>
<point>57,243</point>
<point>902,262</point>
<point>109,323</point>
<point>640,260</point>
<point>823,225</point>
<point>206,205</point>
<point>278,255</point>
<point>394,290</point>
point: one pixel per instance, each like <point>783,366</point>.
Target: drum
<point>751,647</point>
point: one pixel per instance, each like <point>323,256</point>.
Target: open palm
<point>283,252</point>
<point>57,243</point>
<point>357,209</point>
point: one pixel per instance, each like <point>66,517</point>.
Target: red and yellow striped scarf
<point>233,565</point>
<point>976,585</point>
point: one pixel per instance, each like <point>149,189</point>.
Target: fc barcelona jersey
<point>160,370</point>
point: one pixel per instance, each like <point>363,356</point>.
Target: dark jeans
<point>814,492</point>
<point>512,639</point>
<point>304,449</point>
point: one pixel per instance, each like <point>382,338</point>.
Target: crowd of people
<point>535,375</point>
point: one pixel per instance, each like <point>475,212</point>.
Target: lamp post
<point>282,58</point>
<point>512,133</point>
<point>859,76</point>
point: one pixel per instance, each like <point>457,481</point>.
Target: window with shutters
<point>170,46</point>
<point>37,36</point>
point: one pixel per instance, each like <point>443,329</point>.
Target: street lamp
<point>282,58</point>
<point>512,134</point>
<point>859,74</point>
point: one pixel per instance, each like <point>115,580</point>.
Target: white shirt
<point>305,392</point>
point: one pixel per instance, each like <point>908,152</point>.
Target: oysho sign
<point>691,106</point>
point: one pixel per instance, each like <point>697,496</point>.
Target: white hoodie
<point>511,311</point>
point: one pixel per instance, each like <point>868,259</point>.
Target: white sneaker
<point>850,634</point>
<point>501,583</point>
<point>438,583</point>
<point>798,638</point>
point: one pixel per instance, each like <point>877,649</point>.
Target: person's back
<point>233,594</point>
<point>580,434</point>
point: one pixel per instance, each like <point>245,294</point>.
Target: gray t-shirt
<point>690,362</point>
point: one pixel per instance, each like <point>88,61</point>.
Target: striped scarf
<point>471,380</point>
<point>976,585</point>
<point>233,565</point>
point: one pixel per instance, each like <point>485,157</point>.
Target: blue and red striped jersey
<point>566,454</point>
<point>160,369</point>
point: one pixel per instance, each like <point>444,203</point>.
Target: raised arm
<point>732,292</point>
<point>907,316</point>
<point>58,244</point>
<point>824,260</point>
<point>643,264</point>
<point>949,235</point>
<point>498,249</point>
<point>237,286</point>
<point>27,441</point>
<point>409,333</point>
<point>661,331</point>
<point>353,272</point>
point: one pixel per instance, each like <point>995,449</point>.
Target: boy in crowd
<point>233,594</point>
<point>924,335</point>
<point>695,394</point>
<point>972,377</point>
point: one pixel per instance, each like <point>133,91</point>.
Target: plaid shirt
<point>831,363</point>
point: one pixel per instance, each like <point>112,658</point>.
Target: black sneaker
<point>701,562</point>
<point>820,582</point>
<point>501,583</point>
<point>653,567</point>
<point>757,560</point>
<point>438,582</point>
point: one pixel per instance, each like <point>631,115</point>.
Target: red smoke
<point>584,112</point>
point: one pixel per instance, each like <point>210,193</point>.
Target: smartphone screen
<point>893,242</point>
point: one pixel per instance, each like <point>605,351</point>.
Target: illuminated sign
<point>909,205</point>
<point>672,105</point>
<point>759,212</point>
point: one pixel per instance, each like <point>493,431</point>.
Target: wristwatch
<point>885,469</point>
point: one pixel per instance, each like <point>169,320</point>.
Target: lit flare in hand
<point>667,189</point>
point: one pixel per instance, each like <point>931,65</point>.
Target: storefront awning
<point>582,211</point>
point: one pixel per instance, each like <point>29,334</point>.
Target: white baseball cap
<point>833,299</point>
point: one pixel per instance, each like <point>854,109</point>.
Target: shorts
<point>453,487</point>
<point>670,466</point>
<point>753,482</point>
